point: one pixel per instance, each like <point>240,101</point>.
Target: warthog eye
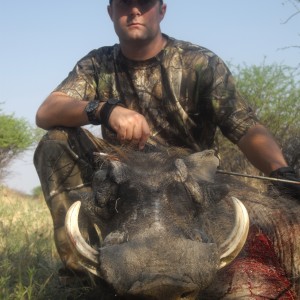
<point>206,194</point>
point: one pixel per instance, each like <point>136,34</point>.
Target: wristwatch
<point>107,109</point>
<point>91,110</point>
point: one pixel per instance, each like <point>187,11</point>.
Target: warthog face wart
<point>166,227</point>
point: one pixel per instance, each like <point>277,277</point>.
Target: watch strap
<point>107,109</point>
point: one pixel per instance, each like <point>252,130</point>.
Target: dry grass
<point>29,263</point>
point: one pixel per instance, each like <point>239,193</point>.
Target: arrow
<point>259,177</point>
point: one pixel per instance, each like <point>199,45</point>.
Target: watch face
<point>92,106</point>
<point>91,110</point>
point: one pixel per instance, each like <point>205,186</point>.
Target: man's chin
<point>135,38</point>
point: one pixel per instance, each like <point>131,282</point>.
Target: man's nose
<point>135,10</point>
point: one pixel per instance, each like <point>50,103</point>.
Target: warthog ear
<point>116,171</point>
<point>202,165</point>
<point>119,171</point>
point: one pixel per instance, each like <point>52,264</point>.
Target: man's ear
<point>162,11</point>
<point>110,11</point>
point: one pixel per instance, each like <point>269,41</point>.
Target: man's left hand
<point>290,189</point>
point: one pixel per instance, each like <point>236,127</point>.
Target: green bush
<point>16,135</point>
<point>273,91</point>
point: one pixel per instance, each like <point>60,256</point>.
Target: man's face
<point>136,20</point>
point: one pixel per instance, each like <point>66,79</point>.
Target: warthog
<point>171,228</point>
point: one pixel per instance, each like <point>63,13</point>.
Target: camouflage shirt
<point>184,92</point>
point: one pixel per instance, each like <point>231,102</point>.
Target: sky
<point>42,40</point>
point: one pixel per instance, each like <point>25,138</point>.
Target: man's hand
<point>129,126</point>
<point>284,188</point>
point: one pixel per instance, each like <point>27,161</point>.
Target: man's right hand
<point>129,126</point>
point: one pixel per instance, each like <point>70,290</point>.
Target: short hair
<point>161,2</point>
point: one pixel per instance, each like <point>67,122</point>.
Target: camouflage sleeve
<point>233,114</point>
<point>81,81</point>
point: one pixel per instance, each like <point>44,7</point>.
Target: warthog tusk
<point>88,256</point>
<point>238,236</point>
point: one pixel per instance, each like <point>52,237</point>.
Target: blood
<point>258,273</point>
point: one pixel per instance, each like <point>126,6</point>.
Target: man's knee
<point>64,177</point>
<point>50,141</point>
<point>61,162</point>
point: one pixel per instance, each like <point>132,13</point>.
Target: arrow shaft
<point>258,177</point>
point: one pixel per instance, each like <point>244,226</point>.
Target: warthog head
<point>166,227</point>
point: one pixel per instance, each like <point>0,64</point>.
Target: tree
<point>273,91</point>
<point>296,7</point>
<point>37,192</point>
<point>16,135</point>
<point>295,4</point>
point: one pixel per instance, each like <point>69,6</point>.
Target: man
<point>150,88</point>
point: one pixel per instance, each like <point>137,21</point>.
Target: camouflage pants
<point>65,165</point>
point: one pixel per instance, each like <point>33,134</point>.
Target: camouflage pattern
<point>65,164</point>
<point>185,92</point>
